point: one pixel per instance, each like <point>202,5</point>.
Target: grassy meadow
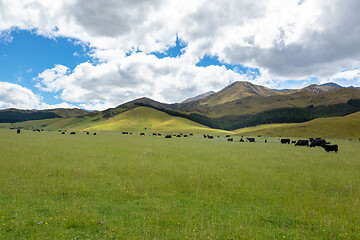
<point>113,186</point>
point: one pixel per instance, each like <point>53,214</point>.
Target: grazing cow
<point>59,130</point>
<point>259,135</point>
<point>192,134</point>
<point>38,130</point>
<point>63,133</point>
<point>285,140</point>
<point>293,141</point>
<point>204,136</point>
<point>142,134</point>
<point>317,143</point>
<point>154,134</point>
<point>185,135</point>
<point>330,148</point>
<point>18,131</point>
<point>241,140</point>
<point>168,136</point>
<point>265,140</point>
<point>227,136</point>
<point>159,134</point>
<point>250,139</point>
<point>72,133</point>
<point>178,135</point>
<point>302,143</point>
<point>87,133</point>
<point>94,134</point>
<point>210,137</point>
<point>230,139</point>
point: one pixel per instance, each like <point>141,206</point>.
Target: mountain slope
<point>137,119</point>
<point>334,127</point>
<point>201,96</point>
<point>144,119</point>
<point>16,115</point>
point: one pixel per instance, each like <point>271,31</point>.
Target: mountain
<point>321,88</point>
<point>237,90</point>
<point>331,84</point>
<point>201,96</point>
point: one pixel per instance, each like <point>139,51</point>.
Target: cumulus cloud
<point>120,79</point>
<point>285,40</point>
<point>16,96</point>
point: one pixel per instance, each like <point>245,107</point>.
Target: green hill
<point>139,119</point>
<point>144,119</point>
<point>334,127</point>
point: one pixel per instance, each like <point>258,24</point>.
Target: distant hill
<point>15,115</point>
<point>201,96</point>
<point>334,127</point>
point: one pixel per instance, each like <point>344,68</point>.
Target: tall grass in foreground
<point>131,187</point>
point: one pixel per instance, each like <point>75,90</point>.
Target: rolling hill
<point>334,127</point>
<point>139,119</point>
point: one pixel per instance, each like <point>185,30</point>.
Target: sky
<point>95,55</point>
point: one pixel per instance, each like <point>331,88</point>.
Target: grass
<point>108,186</point>
<point>336,127</point>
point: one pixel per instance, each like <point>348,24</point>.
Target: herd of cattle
<point>312,142</point>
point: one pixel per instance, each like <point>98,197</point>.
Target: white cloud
<point>286,40</point>
<point>122,78</point>
<point>16,96</point>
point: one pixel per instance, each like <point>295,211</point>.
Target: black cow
<point>185,135</point>
<point>38,130</point>
<point>18,131</point>
<point>285,140</point>
<point>87,133</point>
<point>142,134</point>
<point>317,143</point>
<point>293,141</point>
<point>250,139</point>
<point>259,135</point>
<point>210,137</point>
<point>311,139</point>
<point>204,136</point>
<point>302,143</point>
<point>178,135</point>
<point>94,134</point>
<point>330,148</point>
<point>63,133</point>
<point>230,139</point>
<point>159,134</point>
<point>241,140</point>
<point>227,136</point>
<point>154,134</point>
<point>265,140</point>
<point>72,133</point>
<point>192,135</point>
<point>168,136</point>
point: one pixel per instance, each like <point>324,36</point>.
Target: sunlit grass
<point>57,186</point>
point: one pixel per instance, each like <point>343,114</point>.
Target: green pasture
<point>114,186</point>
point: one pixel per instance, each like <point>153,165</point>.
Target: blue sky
<point>95,55</point>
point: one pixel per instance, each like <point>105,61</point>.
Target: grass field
<point>110,186</point>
